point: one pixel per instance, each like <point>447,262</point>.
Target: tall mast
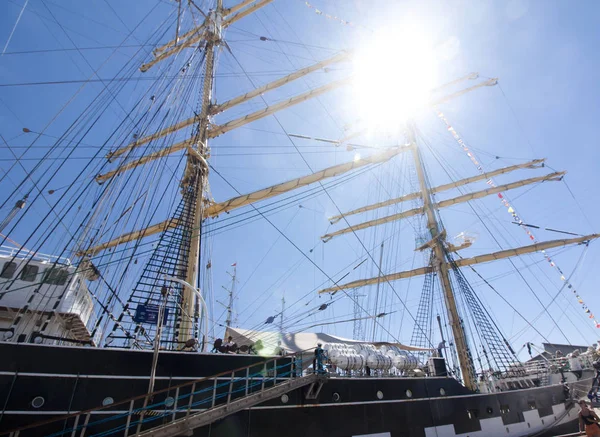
<point>196,205</point>
<point>464,356</point>
<point>229,320</point>
<point>198,180</point>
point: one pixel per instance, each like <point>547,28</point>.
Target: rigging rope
<point>518,271</point>
<point>334,203</point>
<point>512,211</point>
<point>12,32</point>
<point>296,246</point>
<point>72,203</point>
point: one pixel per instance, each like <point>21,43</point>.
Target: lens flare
<point>393,76</point>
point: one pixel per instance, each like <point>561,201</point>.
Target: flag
<point>234,264</point>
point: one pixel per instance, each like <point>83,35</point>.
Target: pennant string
<point>334,17</point>
<point>512,211</point>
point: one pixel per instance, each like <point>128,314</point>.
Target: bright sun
<point>393,77</point>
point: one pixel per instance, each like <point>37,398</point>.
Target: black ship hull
<point>72,379</point>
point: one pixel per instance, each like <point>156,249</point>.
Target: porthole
<point>169,402</point>
<point>490,410</point>
<point>38,402</point>
<point>107,401</point>
<point>442,392</point>
<point>336,397</point>
<point>408,393</point>
<point>379,394</point>
<point>285,399</point>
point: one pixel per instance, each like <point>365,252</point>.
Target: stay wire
<point>62,109</point>
<point>291,242</point>
<point>339,211</point>
<point>560,290</point>
<point>516,118</point>
<point>68,190</point>
<point>72,126</point>
<point>500,246</point>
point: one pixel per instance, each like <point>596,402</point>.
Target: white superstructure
<point>43,299</point>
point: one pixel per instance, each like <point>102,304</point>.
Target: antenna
<point>377,293</point>
<point>357,332</point>
<point>281,315</point>
<point>231,292</point>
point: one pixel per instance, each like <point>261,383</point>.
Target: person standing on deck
<point>279,350</point>
<point>230,346</point>
<point>318,361</point>
<point>440,348</point>
<point>575,364</point>
<point>588,421</point>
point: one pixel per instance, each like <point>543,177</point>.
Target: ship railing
<point>555,364</point>
<point>539,369</point>
<point>145,412</point>
<point>10,252</point>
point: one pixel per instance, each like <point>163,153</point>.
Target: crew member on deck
<point>575,364</point>
<point>318,361</point>
<point>279,350</point>
<point>230,346</point>
<point>588,420</point>
<point>441,347</point>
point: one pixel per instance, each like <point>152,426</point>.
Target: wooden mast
<point>441,266</point>
<point>196,175</point>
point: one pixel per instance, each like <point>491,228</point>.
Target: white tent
<point>298,343</point>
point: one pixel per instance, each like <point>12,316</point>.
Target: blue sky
<point>545,106</point>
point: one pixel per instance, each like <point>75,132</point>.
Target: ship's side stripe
<point>276,407</point>
<point>190,378</point>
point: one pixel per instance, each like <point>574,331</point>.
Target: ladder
<point>181,409</point>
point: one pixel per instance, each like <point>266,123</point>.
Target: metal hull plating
<point>71,379</point>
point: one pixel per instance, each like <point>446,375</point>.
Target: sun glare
<point>393,77</point>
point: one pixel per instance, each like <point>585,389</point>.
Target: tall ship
<point>343,199</point>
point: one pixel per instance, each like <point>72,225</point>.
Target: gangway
<point>185,425</point>
<point>180,409</point>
